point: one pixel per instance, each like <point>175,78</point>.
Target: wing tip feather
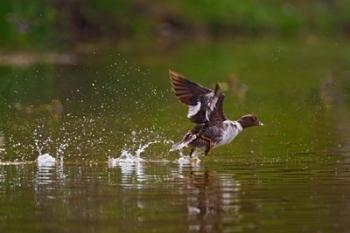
<point>175,77</point>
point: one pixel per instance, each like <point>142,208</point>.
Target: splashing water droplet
<point>127,156</point>
<point>187,160</point>
<point>46,160</point>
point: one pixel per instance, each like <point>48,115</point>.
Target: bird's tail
<point>189,137</point>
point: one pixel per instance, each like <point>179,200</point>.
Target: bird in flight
<point>205,109</point>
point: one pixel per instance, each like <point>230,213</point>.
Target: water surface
<point>291,175</point>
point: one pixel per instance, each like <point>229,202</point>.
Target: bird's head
<point>249,120</point>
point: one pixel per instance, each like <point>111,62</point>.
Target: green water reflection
<point>152,197</point>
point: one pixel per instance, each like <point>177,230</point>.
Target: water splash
<point>49,167</point>
<point>39,142</point>
<point>130,161</point>
<point>128,156</point>
<point>139,142</point>
<point>43,160</point>
<point>188,160</point>
<point>46,160</point>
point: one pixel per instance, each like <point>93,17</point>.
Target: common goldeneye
<point>205,109</point>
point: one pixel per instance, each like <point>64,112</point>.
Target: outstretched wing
<point>204,105</point>
<point>217,113</point>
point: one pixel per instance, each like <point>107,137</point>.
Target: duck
<point>205,109</point>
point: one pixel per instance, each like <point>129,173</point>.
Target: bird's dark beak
<point>261,124</point>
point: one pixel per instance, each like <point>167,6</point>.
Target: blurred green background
<point>60,24</point>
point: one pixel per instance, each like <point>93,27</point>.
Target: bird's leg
<point>191,152</point>
<point>209,144</point>
<point>208,148</point>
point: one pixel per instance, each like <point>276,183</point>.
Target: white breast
<point>231,130</point>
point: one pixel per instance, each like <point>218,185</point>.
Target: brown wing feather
<point>211,102</point>
<point>184,89</point>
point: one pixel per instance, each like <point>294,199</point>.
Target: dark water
<point>166,197</point>
<point>292,175</point>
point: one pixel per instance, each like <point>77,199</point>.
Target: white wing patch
<point>193,109</point>
<point>211,104</point>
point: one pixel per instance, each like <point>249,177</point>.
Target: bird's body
<point>220,134</point>
<point>206,110</point>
